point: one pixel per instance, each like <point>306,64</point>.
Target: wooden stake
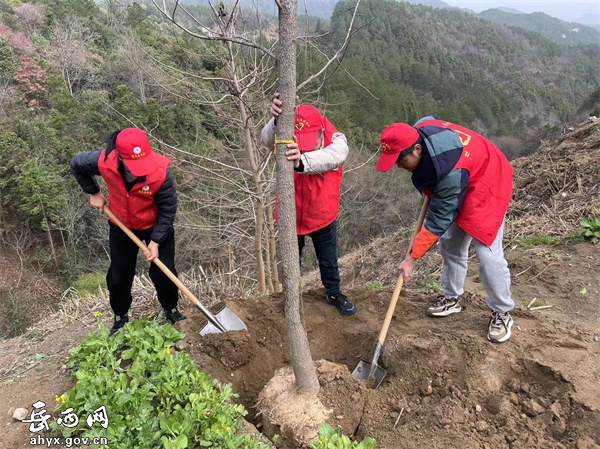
<point>398,418</point>
<point>541,307</point>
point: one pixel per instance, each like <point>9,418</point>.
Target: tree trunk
<point>268,259</point>
<point>302,364</point>
<point>248,121</point>
<point>271,243</point>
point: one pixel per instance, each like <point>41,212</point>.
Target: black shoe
<point>345,307</point>
<point>174,315</point>
<point>120,321</point>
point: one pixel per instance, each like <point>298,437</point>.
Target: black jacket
<point>84,166</point>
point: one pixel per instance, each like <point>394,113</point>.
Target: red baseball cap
<point>308,123</point>
<point>394,140</point>
<point>134,147</point>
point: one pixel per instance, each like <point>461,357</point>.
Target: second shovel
<point>365,370</point>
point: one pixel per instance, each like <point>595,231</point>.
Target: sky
<point>581,11</point>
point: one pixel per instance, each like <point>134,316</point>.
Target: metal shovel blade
<point>228,320</point>
<point>362,370</point>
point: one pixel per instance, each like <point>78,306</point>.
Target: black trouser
<point>123,258</point>
<point>325,243</point>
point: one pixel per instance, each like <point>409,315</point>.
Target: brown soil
<point>540,390</point>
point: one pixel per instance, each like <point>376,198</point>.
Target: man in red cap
<point>318,154</point>
<point>469,183</point>
<point>142,194</point>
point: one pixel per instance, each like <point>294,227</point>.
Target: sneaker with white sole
<point>444,306</point>
<point>499,327</point>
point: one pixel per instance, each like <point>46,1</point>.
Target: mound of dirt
<point>540,390</point>
<point>296,418</point>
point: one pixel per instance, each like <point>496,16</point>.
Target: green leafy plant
<point>432,282</point>
<point>155,397</point>
<point>329,438</point>
<point>591,229</point>
<point>373,285</point>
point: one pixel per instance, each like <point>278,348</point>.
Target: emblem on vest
<point>145,190</point>
<point>137,152</point>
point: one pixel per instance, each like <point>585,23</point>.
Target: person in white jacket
<point>319,153</point>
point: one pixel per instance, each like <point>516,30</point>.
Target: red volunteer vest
<point>136,208</point>
<point>318,195</point>
<point>490,183</point>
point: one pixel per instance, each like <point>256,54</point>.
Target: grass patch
<point>531,242</point>
<point>90,284</point>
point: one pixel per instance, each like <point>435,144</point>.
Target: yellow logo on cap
<point>301,124</point>
<point>385,147</point>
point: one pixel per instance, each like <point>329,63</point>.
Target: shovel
<point>365,370</point>
<point>224,321</point>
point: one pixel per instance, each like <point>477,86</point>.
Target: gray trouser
<point>493,269</point>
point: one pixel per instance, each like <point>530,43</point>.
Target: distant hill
<point>510,10</point>
<point>432,3</point>
<point>554,29</point>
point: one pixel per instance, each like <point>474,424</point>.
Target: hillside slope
<point>539,390</point>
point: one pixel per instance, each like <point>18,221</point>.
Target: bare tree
<point>32,17</point>
<point>302,363</point>
<point>235,92</point>
<point>68,50</point>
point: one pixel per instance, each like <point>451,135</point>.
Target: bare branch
<point>337,55</point>
<point>234,39</point>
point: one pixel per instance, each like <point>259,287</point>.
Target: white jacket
<point>329,158</point>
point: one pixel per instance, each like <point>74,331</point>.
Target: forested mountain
<point>73,71</point>
<point>418,60</point>
<point>554,29</point>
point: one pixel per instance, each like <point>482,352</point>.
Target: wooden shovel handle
<point>398,289</point>
<point>157,261</point>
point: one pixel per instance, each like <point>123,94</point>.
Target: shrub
<point>12,314</point>
<point>8,62</point>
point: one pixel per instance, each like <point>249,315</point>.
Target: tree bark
<point>302,364</point>
<point>271,243</point>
